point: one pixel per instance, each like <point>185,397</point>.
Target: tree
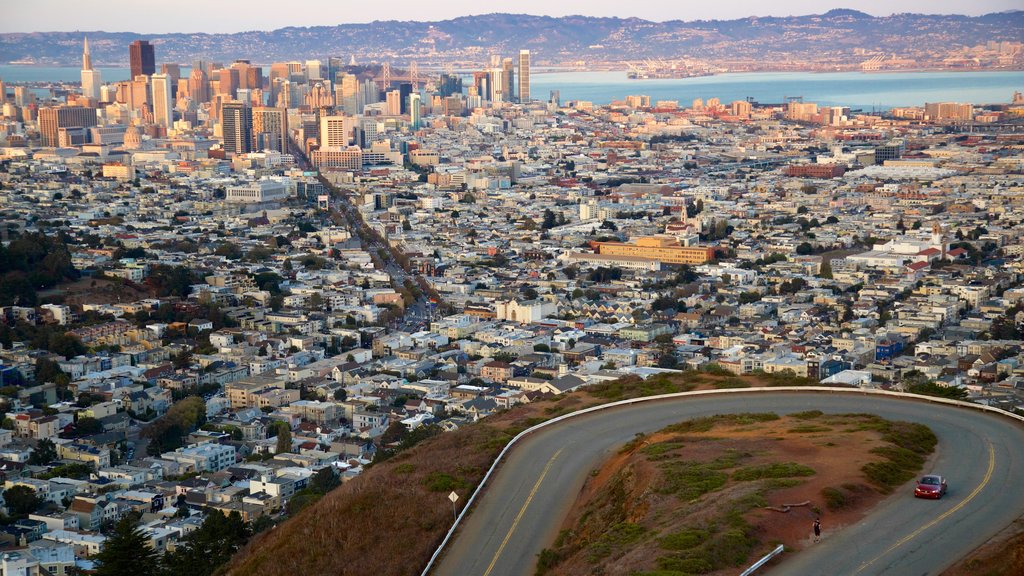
<point>804,248</point>
<point>549,219</point>
<point>44,453</point>
<point>205,550</point>
<point>21,500</point>
<point>127,552</point>
<point>324,480</point>
<point>284,438</point>
<point>87,425</point>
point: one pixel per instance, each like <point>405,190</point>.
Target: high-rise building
<point>508,84</point>
<point>348,94</point>
<point>450,84</point>
<point>198,86</point>
<point>249,76</point>
<point>415,111</point>
<point>228,82</point>
<point>142,58</point>
<point>496,84</point>
<point>236,125</point>
<point>524,75</point>
<point>163,100</point>
<point>270,128</point>
<point>335,66</point>
<point>51,120</point>
<point>394,103</point>
<point>91,79</point>
<point>313,71</point>
<point>172,70</point>
<point>336,130</point>
<point>555,98</point>
<point>404,90</point>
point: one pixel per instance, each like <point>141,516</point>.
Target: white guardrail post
<point>778,550</point>
<point>501,455</point>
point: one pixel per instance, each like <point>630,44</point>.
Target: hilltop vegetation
<point>389,520</point>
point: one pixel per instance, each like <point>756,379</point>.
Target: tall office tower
<point>555,98</point>
<point>524,75</point>
<point>404,89</point>
<point>508,84</point>
<point>336,130</point>
<point>368,131</point>
<point>163,100</point>
<point>496,83</point>
<point>481,82</point>
<point>172,70</point>
<point>236,125</point>
<point>3,92</point>
<point>319,96</point>
<point>249,76</point>
<point>51,120</point>
<point>91,79</point>
<point>228,82</point>
<point>313,71</point>
<point>370,92</point>
<point>198,86</point>
<point>450,84</point>
<point>335,66</point>
<point>279,70</point>
<point>348,94</point>
<point>142,58</point>
<point>394,103</point>
<point>23,96</point>
<point>415,111</point>
<point>270,128</point>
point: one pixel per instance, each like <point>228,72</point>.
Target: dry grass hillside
<point>709,496</point>
<point>389,520</point>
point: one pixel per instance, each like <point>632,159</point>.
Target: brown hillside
<point>389,520</point>
<point>710,495</point>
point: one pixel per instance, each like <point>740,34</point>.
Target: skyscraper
<point>336,131</point>
<point>142,58</point>
<point>51,120</point>
<point>163,100</point>
<point>508,79</point>
<point>236,125</point>
<point>91,79</point>
<point>198,86</point>
<point>270,128</point>
<point>415,111</point>
<point>524,75</point>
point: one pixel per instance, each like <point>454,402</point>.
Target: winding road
<point>981,455</point>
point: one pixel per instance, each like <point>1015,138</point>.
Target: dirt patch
<point>1004,554</point>
<point>709,495</point>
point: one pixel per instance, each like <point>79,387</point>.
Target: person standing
<point>817,529</point>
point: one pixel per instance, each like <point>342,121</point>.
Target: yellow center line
<point>522,511</point>
<point>946,514</point>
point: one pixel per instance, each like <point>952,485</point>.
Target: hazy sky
<point>237,15</point>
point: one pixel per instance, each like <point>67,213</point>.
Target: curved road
<point>981,455</point>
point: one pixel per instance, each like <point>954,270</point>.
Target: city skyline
<point>56,15</point>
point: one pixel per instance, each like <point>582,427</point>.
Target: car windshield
<point>930,480</point>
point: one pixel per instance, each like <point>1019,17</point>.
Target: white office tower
<point>495,82</point>
<point>163,101</point>
<point>524,75</point>
<point>313,71</point>
<point>415,111</point>
<point>91,79</point>
<point>336,131</point>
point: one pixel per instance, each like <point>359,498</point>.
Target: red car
<point>930,486</point>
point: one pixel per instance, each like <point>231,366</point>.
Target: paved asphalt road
<point>980,454</point>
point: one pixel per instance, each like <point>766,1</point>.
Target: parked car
<point>930,486</point>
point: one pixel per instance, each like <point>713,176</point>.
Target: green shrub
<point>684,539</point>
<point>772,470</point>
<point>441,482</point>
<point>835,499</point>
<point>807,415</point>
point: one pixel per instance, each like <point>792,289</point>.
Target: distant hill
<point>470,39</point>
